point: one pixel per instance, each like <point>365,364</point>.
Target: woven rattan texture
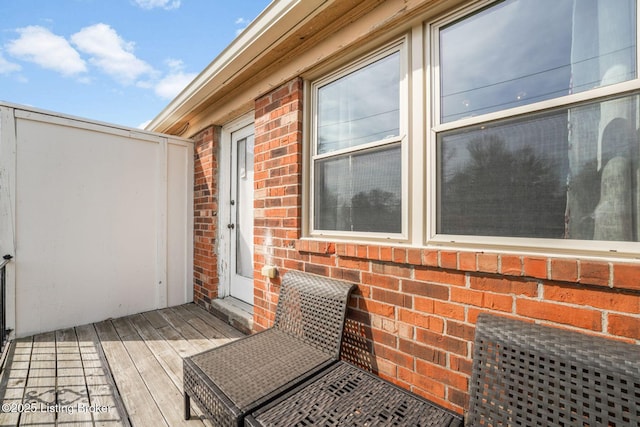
<point>230,380</point>
<point>345,396</point>
<point>531,375</point>
<point>313,308</point>
<point>207,398</point>
<point>258,364</point>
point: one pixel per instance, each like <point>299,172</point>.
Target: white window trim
<point>519,244</point>
<point>419,128</point>
<point>400,46</point>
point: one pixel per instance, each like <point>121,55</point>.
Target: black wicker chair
<point>531,375</point>
<point>230,381</point>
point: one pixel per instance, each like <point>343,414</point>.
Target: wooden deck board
<point>14,380</point>
<point>71,386</point>
<point>129,368</point>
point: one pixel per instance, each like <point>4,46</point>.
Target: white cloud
<point>144,125</point>
<point>241,21</point>
<point>111,53</point>
<point>39,45</point>
<point>7,67</point>
<point>176,80</point>
<point>152,4</point>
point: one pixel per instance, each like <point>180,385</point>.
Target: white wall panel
<point>103,222</point>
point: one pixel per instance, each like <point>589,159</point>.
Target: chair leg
<point>187,407</point>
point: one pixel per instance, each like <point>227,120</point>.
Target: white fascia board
<point>280,17</point>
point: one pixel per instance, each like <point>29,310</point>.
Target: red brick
<point>373,252</point>
<point>467,261</point>
<point>504,285</point>
<point>511,265</point>
<point>391,269</point>
<point>459,398</point>
<point>398,358</point>
<point>460,330</point>
<point>322,259</point>
<point>624,326</point>
<point>461,364</point>
<point>449,260</point>
<point>594,273</point>
<point>381,281</point>
<point>400,255</point>
<point>482,299</point>
<point>443,375</point>
<point>353,263</point>
<point>425,305</point>
<point>488,263</point>
<point>414,256</point>
<point>451,311</point>
<point>440,276</point>
<point>345,274</point>
<point>425,289</point>
<point>605,299</point>
<point>389,297</point>
<point>626,276</point>
<point>430,258</point>
<point>432,386</point>
<point>361,251</point>
<point>421,320</point>
<point>374,307</point>
<point>321,270</point>
<point>386,254</point>
<point>384,338</point>
<point>428,354</point>
<point>535,267</point>
<point>564,270</point>
<point>563,314</point>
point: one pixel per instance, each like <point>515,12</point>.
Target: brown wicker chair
<point>230,381</point>
<point>531,375</point>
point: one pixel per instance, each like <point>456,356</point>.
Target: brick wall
<point>205,223</point>
<point>412,317</point>
<point>278,191</point>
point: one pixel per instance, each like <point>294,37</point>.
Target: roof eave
<point>280,17</point>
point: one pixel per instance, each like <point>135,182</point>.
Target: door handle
<point>231,226</point>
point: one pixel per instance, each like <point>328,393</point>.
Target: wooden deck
<point>119,372</point>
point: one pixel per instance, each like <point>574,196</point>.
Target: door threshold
<point>235,312</point>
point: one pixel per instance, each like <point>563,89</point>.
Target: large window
<point>357,147</point>
<point>536,121</point>
<point>506,124</point>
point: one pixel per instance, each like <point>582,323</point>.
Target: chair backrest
<point>313,309</point>
<point>532,375</point>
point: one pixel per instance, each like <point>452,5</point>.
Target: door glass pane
<point>522,51</point>
<point>244,210</point>
<point>359,192</point>
<point>361,107</point>
<point>568,174</point>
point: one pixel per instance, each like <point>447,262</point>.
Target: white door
<point>241,218</point>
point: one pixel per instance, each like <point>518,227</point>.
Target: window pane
<point>361,107</point>
<point>568,174</point>
<point>359,192</point>
<point>523,51</point>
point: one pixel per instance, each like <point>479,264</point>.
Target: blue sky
<point>117,61</point>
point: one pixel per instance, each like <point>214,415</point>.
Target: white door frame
<point>224,201</point>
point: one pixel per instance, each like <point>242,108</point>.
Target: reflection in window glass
<point>567,174</point>
<point>359,192</point>
<point>360,107</point>
<point>244,197</point>
<point>522,51</point>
